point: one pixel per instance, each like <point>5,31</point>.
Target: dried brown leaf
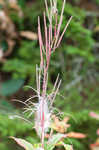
<point>96,29</point>
<point>2,2</point>
<point>11,44</point>
<point>76,135</point>
<point>1,53</point>
<point>29,35</point>
<point>60,126</point>
<point>95,146</point>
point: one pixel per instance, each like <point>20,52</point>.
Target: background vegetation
<point>77,61</point>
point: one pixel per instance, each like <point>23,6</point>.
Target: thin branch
<point>59,25</point>
<point>46,39</point>
<point>31,88</point>
<point>64,31</point>
<point>47,10</point>
<point>56,92</point>
<point>40,41</point>
<point>31,98</point>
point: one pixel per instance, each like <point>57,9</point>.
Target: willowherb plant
<point>43,108</point>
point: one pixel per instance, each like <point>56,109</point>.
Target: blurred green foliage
<point>80,122</point>
<point>27,54</point>
<point>14,87</point>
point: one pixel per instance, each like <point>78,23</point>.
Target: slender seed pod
<point>42,116</point>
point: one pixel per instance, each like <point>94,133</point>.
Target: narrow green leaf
<point>53,141</point>
<point>11,86</point>
<point>26,145</point>
<point>66,146</point>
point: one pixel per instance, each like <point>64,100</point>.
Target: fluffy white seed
<point>42,115</point>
